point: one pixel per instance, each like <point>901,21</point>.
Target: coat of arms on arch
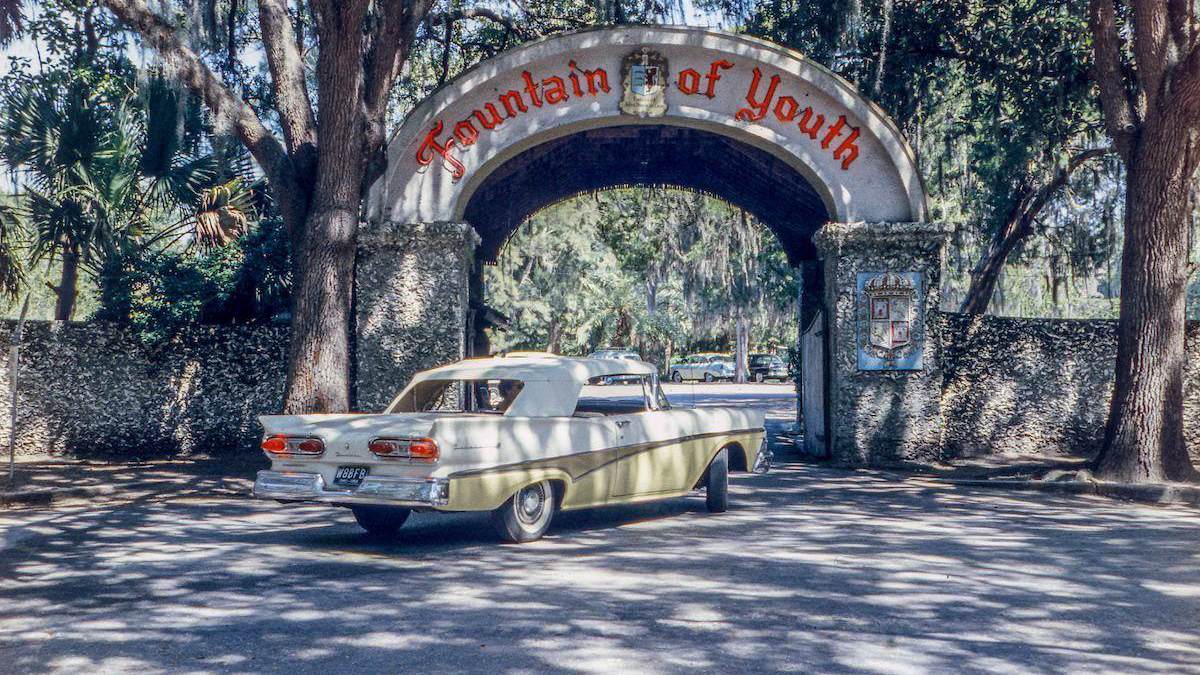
<point>890,332</point>
<point>644,83</point>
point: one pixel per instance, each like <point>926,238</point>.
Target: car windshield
<point>620,395</point>
<point>459,396</point>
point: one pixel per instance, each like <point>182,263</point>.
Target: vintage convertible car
<point>522,436</point>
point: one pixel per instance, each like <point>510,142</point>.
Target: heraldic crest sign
<point>891,332</point>
<point>644,83</point>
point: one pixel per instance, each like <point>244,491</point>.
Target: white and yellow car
<point>522,436</point>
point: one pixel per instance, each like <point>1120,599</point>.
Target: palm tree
<point>98,175</point>
<point>12,272</point>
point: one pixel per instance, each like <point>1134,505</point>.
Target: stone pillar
<point>883,286</point>
<point>412,303</point>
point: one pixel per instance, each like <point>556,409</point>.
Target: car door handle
<point>622,423</point>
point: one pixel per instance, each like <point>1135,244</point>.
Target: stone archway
<point>746,120</point>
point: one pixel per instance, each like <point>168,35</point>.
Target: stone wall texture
<point>879,417</point>
<point>94,389</point>
<point>1036,386</point>
<point>412,288</point>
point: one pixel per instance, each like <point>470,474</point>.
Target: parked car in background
<point>707,367</point>
<point>626,354</point>
<point>520,436</point>
<point>765,367</point>
<point>617,355</point>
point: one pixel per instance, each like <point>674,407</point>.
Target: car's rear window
<point>457,396</point>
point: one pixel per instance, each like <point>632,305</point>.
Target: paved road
<point>814,570</point>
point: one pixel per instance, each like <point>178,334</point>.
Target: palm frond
<point>224,214</point>
<point>12,225</point>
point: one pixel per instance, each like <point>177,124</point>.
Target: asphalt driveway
<point>814,570</point>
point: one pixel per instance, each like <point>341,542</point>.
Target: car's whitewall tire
<point>526,515</point>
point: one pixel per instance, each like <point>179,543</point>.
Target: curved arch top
<point>752,91</point>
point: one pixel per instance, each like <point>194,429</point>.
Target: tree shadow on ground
<point>812,570</point>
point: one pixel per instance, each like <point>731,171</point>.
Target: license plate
<point>350,476</point>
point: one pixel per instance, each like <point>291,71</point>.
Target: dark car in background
<point>765,367</point>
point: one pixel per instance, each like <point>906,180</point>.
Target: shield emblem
<point>890,322</point>
<point>644,79</point>
<point>644,83</point>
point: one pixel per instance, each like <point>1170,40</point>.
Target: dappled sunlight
<point>812,569</point>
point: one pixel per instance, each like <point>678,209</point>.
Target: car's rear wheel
<point>676,376</point>
<point>526,515</point>
<point>759,377</point>
<point>708,377</point>
<point>716,483</point>
<point>380,521</point>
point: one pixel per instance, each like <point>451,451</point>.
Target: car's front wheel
<point>380,521</point>
<point>526,515</point>
<point>676,376</point>
<point>759,377</point>
<point>716,483</point>
<point>708,377</point>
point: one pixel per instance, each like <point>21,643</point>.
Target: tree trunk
<point>1017,227</point>
<point>741,346</point>
<point>986,274</point>
<point>320,368</point>
<point>67,289</point>
<point>319,357</point>
<point>1144,438</point>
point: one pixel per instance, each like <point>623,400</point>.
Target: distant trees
<point>660,270</point>
<point>995,96</point>
<point>1147,67</point>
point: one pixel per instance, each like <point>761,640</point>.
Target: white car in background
<point>707,367</point>
<point>521,436</point>
<point>619,354</point>
<point>626,354</point>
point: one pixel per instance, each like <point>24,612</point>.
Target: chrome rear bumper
<point>310,487</point>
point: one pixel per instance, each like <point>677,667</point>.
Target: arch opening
<point>598,159</point>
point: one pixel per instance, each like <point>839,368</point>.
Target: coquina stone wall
<point>94,389</point>
<point>1036,386</point>
<point>412,304</point>
<point>882,417</point>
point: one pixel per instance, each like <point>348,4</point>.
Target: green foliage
<point>12,267</point>
<point>660,270</point>
<point>160,293</point>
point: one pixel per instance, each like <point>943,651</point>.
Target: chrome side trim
<point>310,487</point>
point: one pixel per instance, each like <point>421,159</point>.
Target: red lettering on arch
<point>430,149</point>
<point>689,81</point>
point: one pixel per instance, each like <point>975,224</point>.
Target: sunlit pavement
<point>813,569</point>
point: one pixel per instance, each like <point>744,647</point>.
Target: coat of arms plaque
<point>890,329</point>
<point>644,83</point>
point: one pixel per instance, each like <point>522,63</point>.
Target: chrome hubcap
<point>531,502</point>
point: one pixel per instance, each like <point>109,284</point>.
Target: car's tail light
<point>413,449</point>
<point>293,445</point>
<point>423,450</point>
<point>389,447</point>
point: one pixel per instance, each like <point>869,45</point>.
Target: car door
<point>652,460</point>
